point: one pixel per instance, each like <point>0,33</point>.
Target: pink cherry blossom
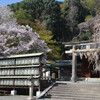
<point>15,38</point>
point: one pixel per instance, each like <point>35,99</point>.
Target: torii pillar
<point>74,67</point>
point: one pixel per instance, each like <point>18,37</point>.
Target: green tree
<point>97,7</point>
<point>65,33</point>
<point>54,54</point>
<point>15,6</point>
<point>52,17</point>
<point>47,11</point>
<point>22,14</point>
<point>47,36</point>
<point>77,13</point>
<point>23,18</point>
<point>73,13</point>
<point>88,17</point>
<point>34,7</point>
<point>64,8</point>
<point>90,4</point>
<point>93,6</point>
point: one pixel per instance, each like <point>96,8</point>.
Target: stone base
<point>38,93</point>
<point>13,92</point>
<point>74,79</point>
<point>30,98</point>
<point>92,79</point>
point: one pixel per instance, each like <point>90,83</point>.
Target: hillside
<point>57,22</point>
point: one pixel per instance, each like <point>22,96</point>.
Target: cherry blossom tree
<point>15,39</point>
<point>7,16</point>
<point>94,58</point>
<point>96,40</point>
<point>93,25</point>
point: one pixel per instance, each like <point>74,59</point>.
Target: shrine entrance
<point>82,50</point>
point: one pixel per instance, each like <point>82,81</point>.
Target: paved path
<point>13,97</point>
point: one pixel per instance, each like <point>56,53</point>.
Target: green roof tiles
<point>64,63</point>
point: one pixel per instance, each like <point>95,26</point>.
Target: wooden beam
<point>86,50</point>
<point>80,51</point>
<point>70,51</point>
<point>79,44</point>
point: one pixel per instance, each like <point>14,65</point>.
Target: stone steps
<point>80,90</point>
<point>76,87</point>
<point>64,99</point>
<point>97,88</point>
<point>74,95</point>
<point>71,98</point>
<point>75,91</point>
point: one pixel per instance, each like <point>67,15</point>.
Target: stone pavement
<point>14,97</point>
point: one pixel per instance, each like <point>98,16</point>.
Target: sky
<point>6,2</point>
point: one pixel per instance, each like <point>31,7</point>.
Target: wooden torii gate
<point>77,49</point>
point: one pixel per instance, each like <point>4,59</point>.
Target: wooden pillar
<point>31,93</point>
<point>74,69</point>
<point>59,74</point>
<point>31,89</point>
